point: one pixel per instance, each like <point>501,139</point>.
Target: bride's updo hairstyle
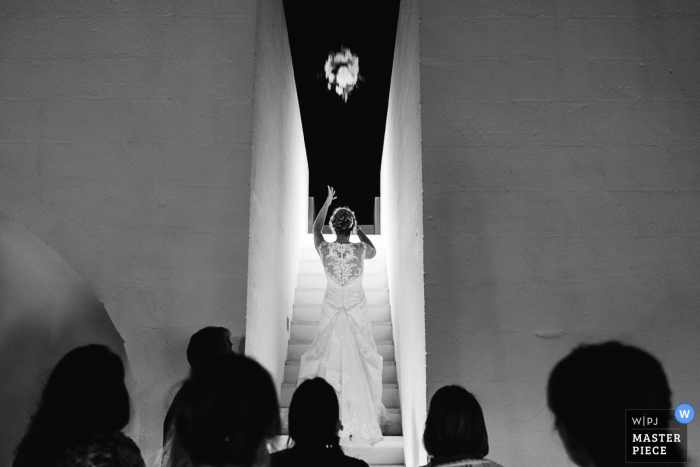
<point>343,221</point>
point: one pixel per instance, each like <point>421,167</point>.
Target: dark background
<point>344,141</point>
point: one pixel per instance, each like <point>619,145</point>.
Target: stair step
<point>306,330</point>
<point>291,372</point>
<point>392,430</point>
<point>308,296</point>
<point>297,348</point>
<point>314,266</point>
<point>390,395</point>
<point>309,252</point>
<point>318,280</point>
<point>377,313</point>
<point>388,452</point>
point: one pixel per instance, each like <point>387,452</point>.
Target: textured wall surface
<point>125,143</point>
<point>402,229</point>
<point>279,194</point>
<point>46,309</point>
<point>562,197</point>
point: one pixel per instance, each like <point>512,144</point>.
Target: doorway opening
<point>344,135</point>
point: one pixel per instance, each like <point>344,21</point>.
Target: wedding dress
<point>344,352</point>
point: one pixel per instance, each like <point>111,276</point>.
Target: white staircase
<point>311,285</point>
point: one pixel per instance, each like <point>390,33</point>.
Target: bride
<point>344,352</point>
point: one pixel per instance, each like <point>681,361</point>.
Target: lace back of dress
<point>343,262</point>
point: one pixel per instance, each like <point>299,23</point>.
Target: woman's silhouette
<point>344,352</point>
<point>455,431</point>
<point>313,428</point>
<point>229,413</point>
<point>83,409</point>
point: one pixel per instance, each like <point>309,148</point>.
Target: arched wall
<point>46,309</point>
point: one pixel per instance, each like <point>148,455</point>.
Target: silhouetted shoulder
<point>354,462</point>
<point>466,463</point>
<point>293,458</point>
<point>113,449</point>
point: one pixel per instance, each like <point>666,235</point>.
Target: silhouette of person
<point>314,424</point>
<point>205,345</point>
<point>82,411</point>
<point>455,431</point>
<point>588,392</point>
<point>229,412</point>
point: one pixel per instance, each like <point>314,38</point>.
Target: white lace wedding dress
<point>344,352</point>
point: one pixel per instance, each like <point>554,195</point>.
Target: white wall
<point>402,229</point>
<point>279,194</point>
<point>126,144</point>
<point>46,309</point>
<point>562,198</point>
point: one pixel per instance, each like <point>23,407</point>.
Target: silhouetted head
<point>314,414</point>
<point>455,425</point>
<point>208,343</point>
<point>84,395</point>
<point>343,221</point>
<point>590,389</point>
<point>229,410</point>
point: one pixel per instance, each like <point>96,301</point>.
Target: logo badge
<point>684,413</point>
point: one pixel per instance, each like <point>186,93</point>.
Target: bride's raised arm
<point>371,251</point>
<point>321,218</point>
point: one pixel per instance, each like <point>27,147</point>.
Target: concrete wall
<point>402,229</point>
<point>126,144</point>
<point>45,310</point>
<point>279,194</point>
<point>562,197</point>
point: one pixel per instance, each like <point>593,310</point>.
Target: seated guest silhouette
<point>82,411</point>
<point>229,413</point>
<point>205,344</point>
<point>588,392</point>
<point>455,431</point>
<point>314,423</point>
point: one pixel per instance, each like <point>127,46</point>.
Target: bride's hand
<point>331,195</point>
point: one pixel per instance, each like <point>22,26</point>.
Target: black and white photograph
<point>373,233</point>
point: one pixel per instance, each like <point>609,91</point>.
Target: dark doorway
<point>344,140</point>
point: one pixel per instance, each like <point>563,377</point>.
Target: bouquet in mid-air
<point>343,71</point>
